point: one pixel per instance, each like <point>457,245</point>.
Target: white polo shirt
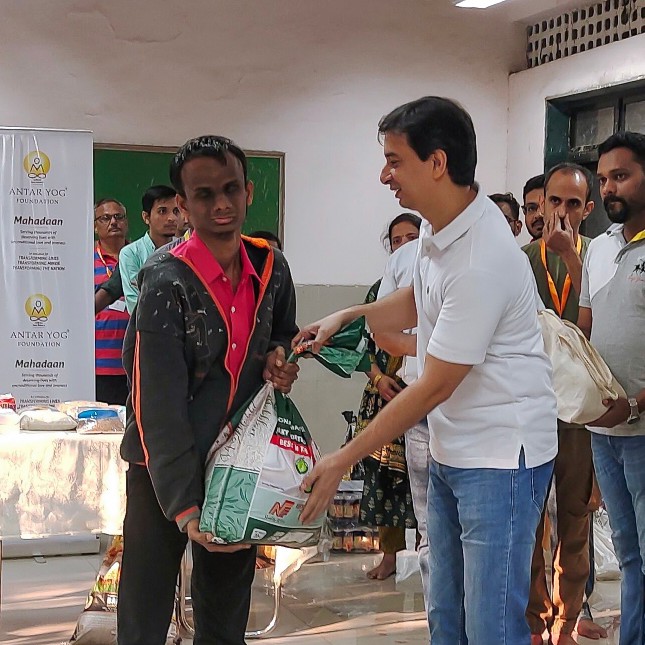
<point>399,273</point>
<point>475,298</point>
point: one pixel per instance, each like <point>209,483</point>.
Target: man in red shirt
<point>213,319</point>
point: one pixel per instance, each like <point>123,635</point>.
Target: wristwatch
<point>634,414</point>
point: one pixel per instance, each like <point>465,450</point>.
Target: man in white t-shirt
<point>399,273</point>
<point>484,382</point>
<point>612,313</point>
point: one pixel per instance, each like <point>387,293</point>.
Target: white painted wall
<point>529,90</point>
<point>308,78</point>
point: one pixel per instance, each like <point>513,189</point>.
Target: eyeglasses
<point>530,208</point>
<point>106,219</point>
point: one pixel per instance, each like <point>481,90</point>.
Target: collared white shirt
<point>600,263</point>
<point>613,286</point>
<point>399,273</point>
<point>475,298</point>
<point>399,270</point>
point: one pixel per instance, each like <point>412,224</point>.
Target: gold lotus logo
<point>39,308</point>
<point>36,165</point>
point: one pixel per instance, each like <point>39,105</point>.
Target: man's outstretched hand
<point>321,484</point>
<point>317,334</point>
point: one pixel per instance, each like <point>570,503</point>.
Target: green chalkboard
<point>124,173</point>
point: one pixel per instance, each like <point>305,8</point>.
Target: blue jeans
<point>620,470</point>
<point>481,528</point>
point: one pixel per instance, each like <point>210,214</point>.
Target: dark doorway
<point>577,125</point>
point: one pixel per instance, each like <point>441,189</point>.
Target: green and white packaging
<point>346,352</point>
<point>253,480</point>
<point>256,466</point>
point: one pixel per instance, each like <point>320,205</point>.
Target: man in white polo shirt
<point>612,312</point>
<point>484,382</point>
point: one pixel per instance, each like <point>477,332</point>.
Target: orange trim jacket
<point>175,356</point>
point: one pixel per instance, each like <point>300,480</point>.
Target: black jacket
<point>174,354</point>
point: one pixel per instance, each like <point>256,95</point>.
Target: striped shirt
<point>111,323</point>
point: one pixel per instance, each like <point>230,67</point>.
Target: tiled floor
<point>324,603</point>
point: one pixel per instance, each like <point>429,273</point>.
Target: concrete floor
<point>323,603</point>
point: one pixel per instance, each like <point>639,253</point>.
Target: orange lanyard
<point>559,304</point>
<point>108,271</point>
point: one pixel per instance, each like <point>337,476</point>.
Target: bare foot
<point>563,639</point>
<point>536,639</point>
<point>385,569</point>
<point>587,628</point>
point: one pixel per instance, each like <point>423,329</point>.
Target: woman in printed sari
<point>387,502</point>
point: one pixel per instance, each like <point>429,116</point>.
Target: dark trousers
<point>112,389</point>
<point>153,548</point>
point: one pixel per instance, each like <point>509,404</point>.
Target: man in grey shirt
<point>612,313</point>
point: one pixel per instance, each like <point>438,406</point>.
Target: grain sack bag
<point>41,418</point>
<point>253,480</point>
<point>581,378</point>
<point>256,466</point>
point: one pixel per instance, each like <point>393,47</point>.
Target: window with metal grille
<point>580,30</point>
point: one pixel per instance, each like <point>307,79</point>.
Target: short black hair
<point>109,200</point>
<point>154,193</point>
<point>208,145</point>
<point>435,123</point>
<point>534,183</point>
<point>268,236</point>
<point>413,219</point>
<point>507,198</point>
<point>634,141</point>
<point>571,168</point>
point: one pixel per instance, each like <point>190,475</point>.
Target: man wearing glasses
<point>111,228</point>
<point>510,209</point>
<point>533,207</point>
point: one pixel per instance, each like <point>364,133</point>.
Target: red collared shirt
<point>237,308</point>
